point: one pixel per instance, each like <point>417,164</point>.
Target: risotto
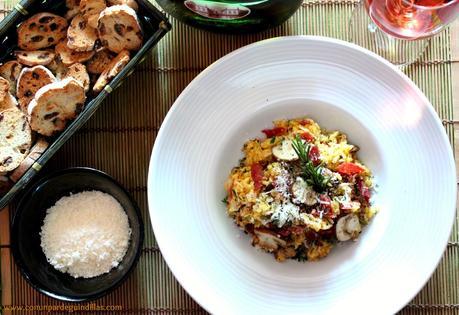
<point>300,190</point>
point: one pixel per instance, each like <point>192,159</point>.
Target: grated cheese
<point>85,234</point>
<point>285,212</point>
<point>282,182</point>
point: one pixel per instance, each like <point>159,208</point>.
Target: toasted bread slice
<point>10,71</point>
<point>42,30</point>
<point>29,82</point>
<point>34,58</point>
<point>119,29</point>
<point>100,61</point>
<point>79,73</point>
<point>54,105</point>
<point>90,9</point>
<point>58,68</point>
<point>4,89</point>
<point>15,139</point>
<point>8,102</point>
<point>73,7</point>
<point>69,56</point>
<point>81,36</point>
<point>115,67</point>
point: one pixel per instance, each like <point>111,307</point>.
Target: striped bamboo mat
<point>119,139</point>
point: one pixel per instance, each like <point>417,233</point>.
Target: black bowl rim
<point>18,259</point>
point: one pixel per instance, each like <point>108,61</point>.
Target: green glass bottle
<point>231,16</point>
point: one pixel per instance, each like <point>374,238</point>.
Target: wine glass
<point>399,30</point>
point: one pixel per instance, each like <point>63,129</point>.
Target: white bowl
<point>343,87</point>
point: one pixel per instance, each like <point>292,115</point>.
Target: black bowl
<point>27,222</point>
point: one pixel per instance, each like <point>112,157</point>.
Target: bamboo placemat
<point>119,139</point>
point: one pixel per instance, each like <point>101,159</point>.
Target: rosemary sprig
<point>312,174</point>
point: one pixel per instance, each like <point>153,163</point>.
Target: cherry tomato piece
<point>348,168</point>
<point>277,131</point>
<point>314,155</point>
<point>307,136</point>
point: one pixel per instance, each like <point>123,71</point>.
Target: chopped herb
<point>311,174</point>
<point>301,255</point>
<point>225,200</point>
<point>273,139</point>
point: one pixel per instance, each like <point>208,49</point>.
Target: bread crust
<point>115,67</point>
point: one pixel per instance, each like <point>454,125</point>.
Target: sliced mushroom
<point>303,193</point>
<point>267,240</point>
<point>285,151</point>
<point>348,227</point>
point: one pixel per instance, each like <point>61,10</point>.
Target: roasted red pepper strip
<point>307,136</point>
<point>277,131</point>
<point>348,168</point>
<point>314,155</point>
<point>257,176</point>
